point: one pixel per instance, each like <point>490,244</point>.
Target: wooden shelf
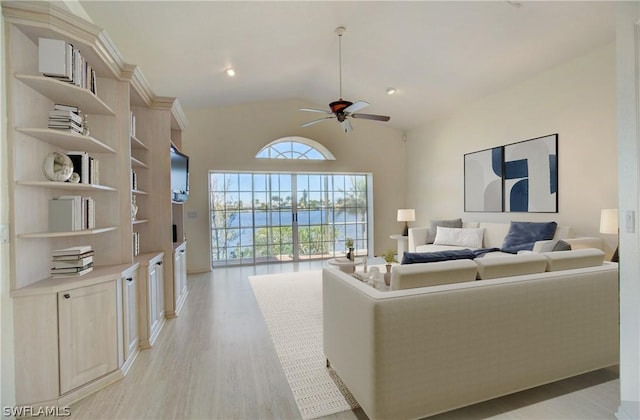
<point>66,93</point>
<point>140,221</point>
<point>66,185</point>
<point>135,163</point>
<point>67,140</point>
<point>137,144</point>
<point>139,192</point>
<point>66,234</point>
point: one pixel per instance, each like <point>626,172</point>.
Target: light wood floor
<point>217,361</point>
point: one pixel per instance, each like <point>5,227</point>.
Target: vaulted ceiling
<point>439,55</point>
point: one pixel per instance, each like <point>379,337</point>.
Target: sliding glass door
<point>270,217</point>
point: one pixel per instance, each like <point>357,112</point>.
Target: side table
<point>403,242</point>
<point>346,265</point>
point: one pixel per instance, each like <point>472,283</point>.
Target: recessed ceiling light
<point>231,72</point>
<point>391,91</point>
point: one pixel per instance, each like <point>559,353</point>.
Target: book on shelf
<point>80,165</point>
<point>134,180</point>
<point>73,257</point>
<point>136,244</point>
<point>62,215</point>
<point>94,171</point>
<point>132,124</point>
<point>72,251</point>
<point>70,269</point>
<point>75,263</point>
<point>65,115</point>
<point>69,213</point>
<point>61,60</point>
<point>73,274</point>
<point>55,58</point>
<point>63,107</point>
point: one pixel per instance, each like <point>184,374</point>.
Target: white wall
<point>628,76</point>
<point>577,100</point>
<point>228,138</point>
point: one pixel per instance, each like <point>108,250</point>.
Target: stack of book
<point>66,117</point>
<point>72,262</point>
<point>61,60</point>
<point>68,213</point>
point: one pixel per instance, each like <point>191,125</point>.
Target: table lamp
<point>609,225</point>
<point>406,215</point>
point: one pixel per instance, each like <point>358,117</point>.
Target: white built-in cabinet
<point>75,335</point>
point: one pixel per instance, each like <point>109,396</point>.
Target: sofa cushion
<point>523,235</point>
<point>433,227</point>
<point>422,275</point>
<point>512,265</point>
<point>471,238</point>
<point>578,258</point>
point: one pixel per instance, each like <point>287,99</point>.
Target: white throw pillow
<point>469,238</point>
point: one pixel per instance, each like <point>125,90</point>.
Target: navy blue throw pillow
<point>523,235</point>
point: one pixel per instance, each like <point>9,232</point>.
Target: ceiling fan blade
<point>356,106</point>
<point>371,117</point>
<point>346,125</point>
<point>323,111</point>
<point>307,124</point>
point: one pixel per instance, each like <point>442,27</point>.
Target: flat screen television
<point>179,176</point>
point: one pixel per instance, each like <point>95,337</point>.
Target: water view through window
<point>269,217</point>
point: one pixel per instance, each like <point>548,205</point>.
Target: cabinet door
<point>88,335</point>
<point>130,307</point>
<point>154,303</point>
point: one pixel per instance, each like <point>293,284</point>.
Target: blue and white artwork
<point>531,175</point>
<point>483,180</point>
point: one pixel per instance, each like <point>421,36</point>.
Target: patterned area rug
<point>291,304</point>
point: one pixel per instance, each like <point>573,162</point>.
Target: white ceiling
<point>438,54</point>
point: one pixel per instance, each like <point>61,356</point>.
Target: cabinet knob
<point>129,278</point>
<point>67,295</point>
<point>159,263</point>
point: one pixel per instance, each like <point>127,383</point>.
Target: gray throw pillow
<point>433,227</point>
<point>558,245</point>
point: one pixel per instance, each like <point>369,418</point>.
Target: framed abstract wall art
<point>517,177</point>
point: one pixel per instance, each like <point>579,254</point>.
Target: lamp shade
<point>609,221</point>
<point>406,215</point>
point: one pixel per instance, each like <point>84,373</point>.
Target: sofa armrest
<point>417,237</point>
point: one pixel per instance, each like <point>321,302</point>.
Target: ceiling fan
<point>343,110</point>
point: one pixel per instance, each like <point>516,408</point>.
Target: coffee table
<point>346,265</point>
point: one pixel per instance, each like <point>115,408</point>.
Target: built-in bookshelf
<point>46,320</point>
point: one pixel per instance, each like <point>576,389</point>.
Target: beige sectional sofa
<point>494,234</point>
<point>442,339</point>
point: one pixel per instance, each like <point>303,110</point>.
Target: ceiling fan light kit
<point>343,110</point>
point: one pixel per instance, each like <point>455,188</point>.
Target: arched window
<point>295,148</point>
